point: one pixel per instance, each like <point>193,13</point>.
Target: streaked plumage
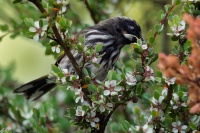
<point>112,33</point>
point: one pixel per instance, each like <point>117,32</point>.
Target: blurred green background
<point>28,56</point>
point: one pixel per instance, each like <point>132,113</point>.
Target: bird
<point>113,34</point>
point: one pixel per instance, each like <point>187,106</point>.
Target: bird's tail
<point>36,88</point>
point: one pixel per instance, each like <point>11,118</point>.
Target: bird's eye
<point>132,29</point>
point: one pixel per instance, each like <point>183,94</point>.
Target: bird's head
<point>125,29</point>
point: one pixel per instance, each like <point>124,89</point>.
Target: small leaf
<point>138,77</point>
<point>125,125</point>
<point>159,74</point>
<point>137,111</point>
<point>135,55</point>
<point>112,75</point>
<point>139,68</point>
<point>192,125</point>
<point>153,113</point>
<point>98,47</point>
<point>159,27</point>
<point>4,27</point>
<point>54,68</point>
<point>139,88</point>
<point>156,95</point>
<point>151,40</point>
<point>29,22</point>
<point>161,15</point>
<point>167,7</point>
<point>92,88</point>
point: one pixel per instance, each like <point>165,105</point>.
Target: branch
<point>66,49</point>
<point>164,19</point>
<point>91,12</point>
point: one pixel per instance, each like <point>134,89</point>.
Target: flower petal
<point>36,37</point>
<point>92,124</point>
<point>118,88</point>
<point>53,48</point>
<point>57,50</point>
<point>32,29</point>
<point>107,84</point>
<point>77,99</point>
<point>183,127</point>
<point>102,109</point>
<point>44,27</point>
<point>37,24</point>
<point>106,92</point>
<point>96,119</point>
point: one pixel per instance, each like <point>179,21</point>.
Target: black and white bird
<point>112,33</point>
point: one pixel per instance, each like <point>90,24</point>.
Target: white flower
<point>145,129</point>
<point>159,101</point>
<point>80,95</point>
<point>157,104</point>
<point>104,106</point>
<point>169,81</point>
<point>164,91</point>
<point>92,119</point>
<point>56,49</point>
<point>79,111</point>
<point>38,30</point>
<point>178,29</point>
<point>66,73</point>
<point>177,102</point>
<point>111,88</point>
<point>130,79</point>
<point>178,128</point>
<point>94,59</point>
<point>64,3</point>
<point>144,46</point>
<point>149,73</point>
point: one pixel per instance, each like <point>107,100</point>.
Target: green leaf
<point>125,125</point>
<point>29,22</point>
<point>176,20</point>
<point>79,47</point>
<point>156,95</point>
<point>139,68</point>
<point>167,7</point>
<point>153,113</point>
<point>154,58</point>
<point>137,111</point>
<point>168,120</point>
<point>170,16</point>
<point>138,78</point>
<point>98,47</point>
<point>4,27</point>
<point>150,33</point>
<point>137,48</point>
<point>192,125</point>
<point>161,15</point>
<point>151,40</point>
<point>64,24</point>
<point>92,88</point>
<point>159,74</point>
<point>112,75</point>
<point>157,79</point>
<point>54,68</point>
<point>135,55</point>
<point>139,88</point>
<point>159,28</point>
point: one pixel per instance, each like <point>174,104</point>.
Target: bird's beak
<point>129,36</point>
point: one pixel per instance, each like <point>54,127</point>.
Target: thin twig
<point>91,11</point>
<point>66,49</point>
